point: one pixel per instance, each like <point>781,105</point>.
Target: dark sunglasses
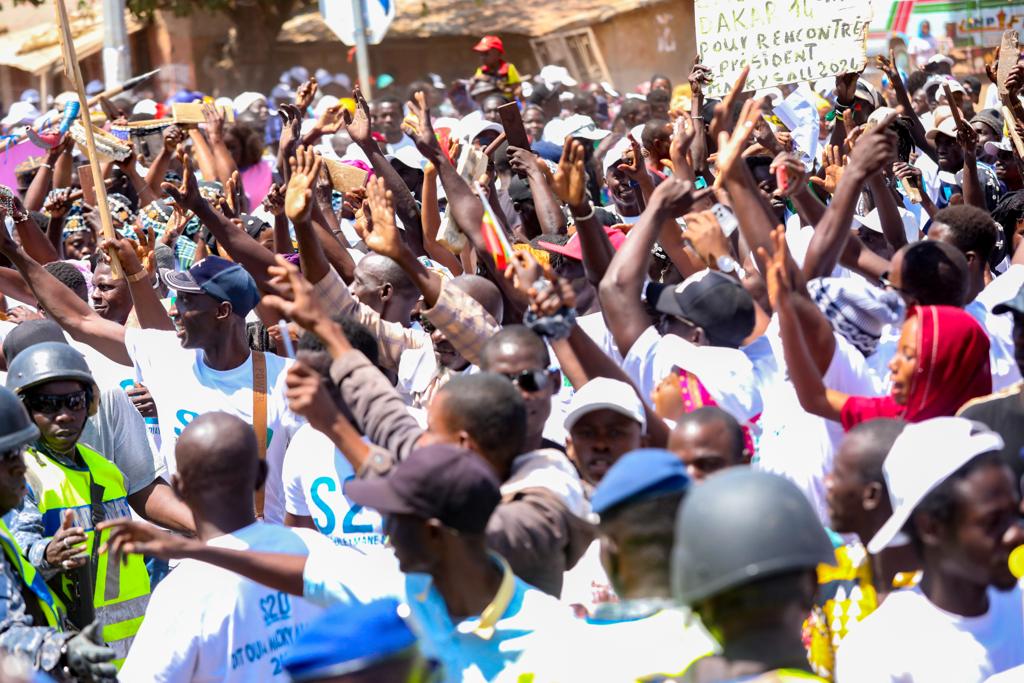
<point>52,403</point>
<point>531,381</point>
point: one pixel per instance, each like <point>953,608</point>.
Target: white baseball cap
<point>946,127</point>
<point>553,75</point>
<point>473,124</point>
<point>582,126</point>
<point>616,154</point>
<point>604,393</point>
<point>872,221</point>
<point>21,112</point>
<point>924,455</point>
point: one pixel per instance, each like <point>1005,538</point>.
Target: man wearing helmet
<point>31,617</point>
<point>71,489</point>
<point>753,591</point>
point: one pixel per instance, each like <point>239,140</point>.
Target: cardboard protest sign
<point>783,41</point>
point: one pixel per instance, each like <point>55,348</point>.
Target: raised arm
<point>405,204</point>
<point>622,284</point>
<point>223,162</point>
<point>64,306</point>
<point>806,377</point>
<point>42,180</point>
<point>151,313</point>
<point>874,149</point>
<point>34,240</point>
<point>549,211</point>
<point>431,216</point>
<point>917,131</point>
<point>243,248</point>
<point>172,136</point>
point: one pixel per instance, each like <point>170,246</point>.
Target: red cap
<point>490,43</point>
<point>573,249</point>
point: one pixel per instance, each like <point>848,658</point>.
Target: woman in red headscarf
<point>941,362</point>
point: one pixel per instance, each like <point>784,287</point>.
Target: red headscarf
<point>952,368</point>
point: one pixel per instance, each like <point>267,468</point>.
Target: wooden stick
<point>74,72</point>
<point>1011,123</point>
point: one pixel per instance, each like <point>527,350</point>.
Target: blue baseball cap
<point>219,278</point>
<point>348,638</point>
<point>639,475</point>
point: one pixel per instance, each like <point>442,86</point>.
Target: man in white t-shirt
<point>959,504</point>
<point>206,623</point>
<point>205,364</point>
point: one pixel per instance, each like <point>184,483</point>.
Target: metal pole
<point>116,55</point>
<point>362,54</point>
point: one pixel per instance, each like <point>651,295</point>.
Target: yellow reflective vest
<point>49,605</point>
<point>121,589</point>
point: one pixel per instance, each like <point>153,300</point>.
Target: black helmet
<point>47,362</point>
<point>739,526</point>
<point>16,427</point>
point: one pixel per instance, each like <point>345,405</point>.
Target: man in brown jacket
<point>541,525</point>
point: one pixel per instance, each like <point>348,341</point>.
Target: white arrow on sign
<point>339,18</point>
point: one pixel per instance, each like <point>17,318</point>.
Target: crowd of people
<point>680,389</point>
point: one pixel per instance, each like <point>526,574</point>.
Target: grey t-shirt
<point>118,432</point>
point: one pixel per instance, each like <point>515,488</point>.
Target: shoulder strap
<point>259,413</point>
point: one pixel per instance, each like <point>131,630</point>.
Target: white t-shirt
<point>1001,356</point>
<point>205,623</point>
<point>910,640</point>
<point>314,476</point>
<point>184,387</point>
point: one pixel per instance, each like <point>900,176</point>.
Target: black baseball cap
<point>442,481</point>
<point>219,278</point>
<point>715,302</point>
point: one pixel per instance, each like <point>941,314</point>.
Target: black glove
<point>88,659</point>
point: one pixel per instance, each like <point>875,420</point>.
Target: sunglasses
<point>52,403</point>
<point>531,381</point>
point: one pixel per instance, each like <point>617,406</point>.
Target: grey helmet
<point>48,362</point>
<point>16,427</point>
<point>739,526</point>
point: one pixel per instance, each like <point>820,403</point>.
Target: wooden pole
<point>73,71</point>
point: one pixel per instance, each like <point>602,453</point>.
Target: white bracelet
<point>593,210</point>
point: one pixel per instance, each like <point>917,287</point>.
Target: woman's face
<point>79,245</point>
<point>904,363</point>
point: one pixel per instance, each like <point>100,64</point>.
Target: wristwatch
<point>727,264</point>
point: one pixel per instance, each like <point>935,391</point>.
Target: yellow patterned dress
<point>846,595</point>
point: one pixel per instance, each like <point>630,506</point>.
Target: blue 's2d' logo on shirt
<point>348,524</point>
<point>184,417</point>
<point>276,607</point>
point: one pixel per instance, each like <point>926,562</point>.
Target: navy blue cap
<point>347,638</point>
<point>219,278</point>
<point>547,150</point>
<point>639,475</point>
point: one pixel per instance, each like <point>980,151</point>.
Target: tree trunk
<point>258,23</point>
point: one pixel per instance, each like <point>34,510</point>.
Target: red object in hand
<point>782,178</point>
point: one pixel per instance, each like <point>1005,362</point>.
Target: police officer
<point>31,616</point>
<point>71,489</point>
<point>747,547</point>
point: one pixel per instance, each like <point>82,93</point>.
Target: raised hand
<point>677,195</point>
<point>331,120</point>
<point>705,234</point>
<point>569,180</point>
<point>186,195</point>
<point>635,169</point>
<point>305,94</point>
<point>173,136</point>
<point>846,87</point>
<point>731,146</point>
<point>834,162</point>
<point>214,122</point>
<point>876,148</point>
<point>683,132</point>
<point>232,207</point>
<point>295,299</point>
<point>908,174</point>
<point>383,236</point>
<point>423,129</point>
<point>991,68</point>
<point>127,252</point>
<point>146,245</point>
<point>58,202</point>
<point>699,76</point>
<point>358,123</point>
<point>794,173</point>
<point>524,272</point>
<point>888,66</point>
<point>179,219</point>
<point>298,200</point>
<point>722,120</point>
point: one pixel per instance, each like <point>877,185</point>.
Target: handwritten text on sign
<point>783,41</point>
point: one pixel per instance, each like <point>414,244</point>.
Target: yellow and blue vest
<point>121,590</point>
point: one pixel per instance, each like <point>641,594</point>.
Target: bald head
<point>217,453</point>
<point>387,271</point>
<point>865,446</point>
<point>485,292</point>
